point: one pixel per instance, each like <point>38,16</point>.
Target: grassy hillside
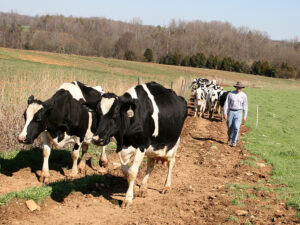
<point>276,139</point>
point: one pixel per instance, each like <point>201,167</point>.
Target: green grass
<point>276,139</point>
<point>59,190</point>
<point>232,218</point>
<point>249,162</point>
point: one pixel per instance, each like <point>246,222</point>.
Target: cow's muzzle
<point>100,141</point>
<point>24,140</point>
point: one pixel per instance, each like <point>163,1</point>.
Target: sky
<point>278,18</point>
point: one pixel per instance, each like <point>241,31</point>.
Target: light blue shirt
<point>236,101</point>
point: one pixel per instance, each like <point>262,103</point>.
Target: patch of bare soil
<point>205,167</point>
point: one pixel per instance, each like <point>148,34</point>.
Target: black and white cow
<point>63,119</point>
<point>200,101</point>
<point>212,101</point>
<point>146,120</point>
<point>222,98</point>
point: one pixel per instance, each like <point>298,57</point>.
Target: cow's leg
<point>171,163</point>
<point>143,188</point>
<point>82,163</point>
<point>132,173</point>
<point>46,153</point>
<point>75,156</point>
<point>203,108</point>
<point>103,158</point>
<point>125,156</point>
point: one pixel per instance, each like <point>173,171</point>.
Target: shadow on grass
<point>96,185</point>
<point>33,158</point>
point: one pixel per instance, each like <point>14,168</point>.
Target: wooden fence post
<point>139,80</point>
<point>184,88</point>
<point>171,85</point>
<point>181,88</point>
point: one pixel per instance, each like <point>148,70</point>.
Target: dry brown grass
<point>15,91</point>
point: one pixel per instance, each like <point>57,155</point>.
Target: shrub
<point>148,54</point>
<point>129,55</point>
<point>186,61</point>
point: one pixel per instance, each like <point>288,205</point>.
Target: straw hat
<point>239,85</point>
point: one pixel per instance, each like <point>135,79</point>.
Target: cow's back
<point>172,113</point>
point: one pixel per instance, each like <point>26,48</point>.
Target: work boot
<point>228,141</point>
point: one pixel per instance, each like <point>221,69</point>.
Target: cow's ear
<point>30,99</point>
<point>48,105</point>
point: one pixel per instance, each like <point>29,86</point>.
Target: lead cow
<point>146,120</point>
<point>62,119</point>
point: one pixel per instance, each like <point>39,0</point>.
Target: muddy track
<point>204,168</point>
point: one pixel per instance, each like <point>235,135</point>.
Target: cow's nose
<point>95,138</point>
<point>21,139</point>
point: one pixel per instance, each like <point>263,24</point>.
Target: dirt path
<point>204,168</point>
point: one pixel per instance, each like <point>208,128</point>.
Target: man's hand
<point>225,117</point>
<point>244,120</point>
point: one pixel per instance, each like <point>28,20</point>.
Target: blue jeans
<point>234,120</point>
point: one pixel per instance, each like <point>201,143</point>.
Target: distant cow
<point>146,120</point>
<point>63,119</point>
<point>200,101</point>
<point>212,101</point>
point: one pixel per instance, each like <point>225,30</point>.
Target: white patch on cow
<point>31,110</point>
<point>89,134</point>
<point>74,90</point>
<point>99,89</point>
<point>46,152</point>
<point>66,140</point>
<point>132,92</point>
<point>162,153</point>
<point>155,111</point>
<point>106,104</point>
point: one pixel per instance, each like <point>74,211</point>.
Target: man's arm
<point>225,109</point>
<point>245,107</point>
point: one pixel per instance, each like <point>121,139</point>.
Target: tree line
<point>238,48</point>
<point>281,70</point>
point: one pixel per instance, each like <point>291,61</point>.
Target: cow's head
<point>213,98</point>
<point>117,115</point>
<point>35,120</point>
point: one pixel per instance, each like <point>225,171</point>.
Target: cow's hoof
<point>73,175</point>
<point>104,163</point>
<point>43,176</point>
<point>81,167</point>
<point>142,193</point>
<point>44,179</point>
<point>166,190</point>
<point>126,204</point>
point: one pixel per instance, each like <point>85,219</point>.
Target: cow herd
<point>208,97</point>
<point>146,120</point>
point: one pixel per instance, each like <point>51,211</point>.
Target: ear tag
<point>130,113</point>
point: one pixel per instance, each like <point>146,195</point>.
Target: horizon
<point>239,14</point>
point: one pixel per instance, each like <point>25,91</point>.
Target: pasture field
<point>275,140</point>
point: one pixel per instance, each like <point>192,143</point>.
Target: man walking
<point>236,103</point>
